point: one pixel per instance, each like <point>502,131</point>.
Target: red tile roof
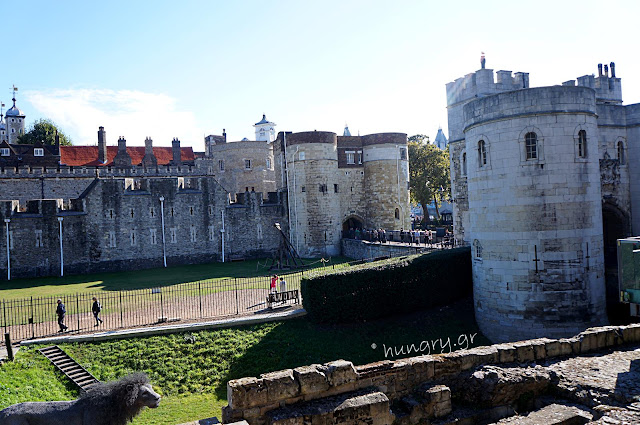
<point>78,156</point>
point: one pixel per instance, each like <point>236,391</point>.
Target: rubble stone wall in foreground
<point>296,396</point>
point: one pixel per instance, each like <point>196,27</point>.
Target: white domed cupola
<point>265,130</point>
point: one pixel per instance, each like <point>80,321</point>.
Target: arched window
<point>482,153</point>
<point>464,163</point>
<point>621,157</point>
<point>477,249</point>
<point>582,144</point>
<point>531,144</point>
<point>397,214</point>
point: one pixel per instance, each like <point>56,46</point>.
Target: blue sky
<point>185,69</point>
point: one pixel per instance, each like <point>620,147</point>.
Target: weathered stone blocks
<point>312,379</point>
<point>281,385</point>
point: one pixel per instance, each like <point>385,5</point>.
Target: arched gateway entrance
<point>350,225</point>
<point>615,225</point>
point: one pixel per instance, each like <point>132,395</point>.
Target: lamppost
<point>61,251</point>
<point>6,223</point>
<point>164,249</point>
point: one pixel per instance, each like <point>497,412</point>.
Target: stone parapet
<point>275,397</point>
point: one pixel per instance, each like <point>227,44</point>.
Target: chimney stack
<point>606,70</point>
<point>122,159</point>
<point>224,134</point>
<point>149,159</point>
<point>613,69</point>
<point>599,70</point>
<point>102,145</point>
<point>177,153</point>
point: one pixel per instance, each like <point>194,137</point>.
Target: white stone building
<point>542,188</point>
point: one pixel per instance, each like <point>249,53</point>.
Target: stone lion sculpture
<point>113,403</point>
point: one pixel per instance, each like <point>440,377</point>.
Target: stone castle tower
<point>527,170</point>
<point>335,183</point>
<point>13,126</point>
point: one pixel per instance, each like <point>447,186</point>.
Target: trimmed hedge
<point>389,287</point>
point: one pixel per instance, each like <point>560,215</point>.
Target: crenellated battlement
<point>90,172</point>
<point>608,88</point>
<point>481,83</point>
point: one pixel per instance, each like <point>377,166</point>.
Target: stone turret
<point>102,145</point>
<point>14,121</point>
<point>122,159</point>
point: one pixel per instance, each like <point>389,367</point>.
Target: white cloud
<point>129,113</point>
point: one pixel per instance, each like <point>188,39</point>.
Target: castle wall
<point>236,177</point>
<point>459,190</point>
<point>539,214</point>
<point>117,225</point>
<point>633,156</point>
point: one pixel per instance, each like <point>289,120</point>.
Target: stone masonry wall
<point>535,223</point>
<point>360,250</point>
<point>117,225</point>
<point>287,396</point>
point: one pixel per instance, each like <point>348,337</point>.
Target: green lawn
<point>151,278</point>
<point>191,370</point>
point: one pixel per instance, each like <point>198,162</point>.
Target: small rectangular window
<point>154,237</point>
<point>152,211</point>
<point>5,152</point>
<point>268,163</point>
<point>38,152</point>
<point>335,188</point>
<point>133,237</point>
<point>247,164</point>
<point>304,189</point>
<point>221,164</point>
<point>359,157</point>
<point>301,156</point>
<point>173,235</point>
<point>403,153</point>
<point>210,209</point>
<point>112,239</point>
<point>322,188</point>
<point>193,233</point>
<point>38,238</point>
<point>211,233</point>
<point>351,157</point>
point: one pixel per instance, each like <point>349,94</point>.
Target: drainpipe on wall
<point>6,222</point>
<point>164,249</point>
<point>61,250</point>
<point>222,233</point>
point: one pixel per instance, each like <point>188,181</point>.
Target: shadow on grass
<point>156,277</point>
<point>299,342</point>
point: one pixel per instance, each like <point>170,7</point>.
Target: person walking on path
<point>96,308</point>
<point>61,312</point>
<point>274,280</point>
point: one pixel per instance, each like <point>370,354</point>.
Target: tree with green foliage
<point>428,172</point>
<point>44,130</point>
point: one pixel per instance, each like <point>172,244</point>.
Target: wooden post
<point>7,341</point>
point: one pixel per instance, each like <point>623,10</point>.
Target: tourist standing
<point>283,285</point>
<point>274,280</point>
<point>61,311</point>
<point>96,308</point>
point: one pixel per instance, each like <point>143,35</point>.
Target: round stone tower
<point>314,203</point>
<point>14,121</point>
<point>535,212</point>
<point>386,180</point>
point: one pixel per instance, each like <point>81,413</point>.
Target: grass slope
<point>191,370</point>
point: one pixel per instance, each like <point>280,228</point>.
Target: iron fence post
<point>200,298</point>
<point>4,315</point>
<point>78,310</point>
<point>161,305</point>
<point>33,330</point>
<point>235,279</point>
<point>121,314</point>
